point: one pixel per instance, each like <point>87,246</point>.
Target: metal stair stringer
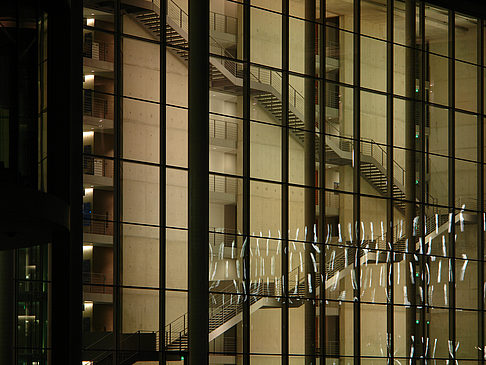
<point>264,83</point>
<point>238,318</point>
<point>227,316</point>
<point>338,269</point>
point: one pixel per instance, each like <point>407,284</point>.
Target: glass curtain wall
<point>346,182</point>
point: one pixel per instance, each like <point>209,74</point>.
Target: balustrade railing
<point>97,283</point>
<point>98,50</point>
<point>223,23</point>
<point>97,166</point>
<point>96,223</point>
<point>370,148</point>
<point>223,184</point>
<point>332,49</point>
<point>96,107</point>
<point>227,236</point>
<point>333,98</point>
<point>223,129</point>
<point>217,22</point>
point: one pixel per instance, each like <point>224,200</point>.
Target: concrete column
<point>309,179</point>
<point>410,10</point>
<point>198,182</point>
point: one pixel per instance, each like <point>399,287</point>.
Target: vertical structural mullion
<point>309,179</point>
<point>246,181</point>
<point>410,173</point>
<point>322,182</point>
<point>423,257</point>
<point>285,181</point>
<point>480,184</point>
<point>389,168</point>
<point>451,177</point>
<point>356,177</point>
<point>198,182</point>
<point>162,181</point>
<point>117,239</point>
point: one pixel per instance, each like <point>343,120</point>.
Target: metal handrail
<point>228,236</point>
<point>94,278</point>
<point>103,50</point>
<point>223,23</point>
<point>223,129</point>
<point>371,148</point>
<point>96,107</point>
<point>217,21</point>
<point>97,223</point>
<point>379,154</point>
<point>98,341</point>
<point>222,310</point>
<point>96,283</point>
<point>337,261</point>
<point>332,99</point>
<point>180,17</point>
<point>223,184</point>
<point>331,199</point>
<point>97,166</point>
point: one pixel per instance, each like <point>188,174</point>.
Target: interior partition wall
<point>338,215</point>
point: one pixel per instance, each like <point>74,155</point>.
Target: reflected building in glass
<point>257,182</point>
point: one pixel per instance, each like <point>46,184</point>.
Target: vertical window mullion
<point>451,177</point>
<point>322,182</point>
<point>246,182</point>
<point>162,181</point>
<point>117,181</point>
<point>421,153</point>
<point>356,177</point>
<point>285,181</point>
<point>410,209</point>
<point>389,169</point>
<point>480,192</point>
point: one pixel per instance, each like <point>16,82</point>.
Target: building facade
<point>257,182</point>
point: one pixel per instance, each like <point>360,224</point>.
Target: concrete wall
<point>140,246</point>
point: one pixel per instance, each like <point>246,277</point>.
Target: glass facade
<point>345,182</point>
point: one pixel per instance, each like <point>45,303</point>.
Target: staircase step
<point>270,102</point>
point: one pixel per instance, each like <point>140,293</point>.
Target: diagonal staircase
<point>226,311</point>
<point>226,75</point>
<point>226,307</point>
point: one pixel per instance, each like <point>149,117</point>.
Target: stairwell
<point>226,307</point>
<point>226,75</point>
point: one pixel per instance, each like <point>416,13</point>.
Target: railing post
<point>222,318</point>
